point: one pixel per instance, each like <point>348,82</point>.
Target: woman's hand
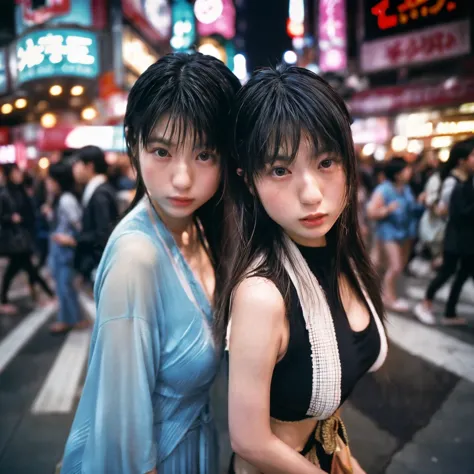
<point>16,218</point>
<point>356,469</point>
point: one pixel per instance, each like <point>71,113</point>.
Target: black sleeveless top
<point>291,385</point>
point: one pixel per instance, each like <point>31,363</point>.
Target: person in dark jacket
<point>458,244</point>
<point>100,209</point>
<point>459,239</point>
<point>18,224</point>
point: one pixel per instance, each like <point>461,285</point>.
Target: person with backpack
<point>455,172</point>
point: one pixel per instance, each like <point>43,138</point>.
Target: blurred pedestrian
<point>301,328</point>
<point>392,206</point>
<point>65,218</point>
<point>100,209</point>
<point>18,225</point>
<point>145,403</point>
<point>456,172</point>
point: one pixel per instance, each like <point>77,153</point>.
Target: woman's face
<point>16,176</point>
<point>405,175</point>
<point>305,197</point>
<point>180,177</point>
<point>52,186</point>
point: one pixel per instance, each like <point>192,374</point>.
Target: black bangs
<point>193,92</point>
<point>277,109</point>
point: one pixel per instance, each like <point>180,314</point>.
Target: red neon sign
<point>409,11</point>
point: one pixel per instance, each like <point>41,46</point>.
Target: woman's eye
<point>279,172</point>
<point>205,156</point>
<point>327,163</point>
<point>161,152</point>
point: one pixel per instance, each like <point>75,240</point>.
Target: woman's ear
<point>240,172</point>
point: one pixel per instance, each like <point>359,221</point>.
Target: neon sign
<point>389,17</point>
<point>332,35</point>
<point>62,52</point>
<point>409,10</point>
<point>3,71</point>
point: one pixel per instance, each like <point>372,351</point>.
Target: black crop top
<point>291,385</point>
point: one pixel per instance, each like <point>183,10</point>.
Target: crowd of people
<point>425,210</point>
<point>61,222</point>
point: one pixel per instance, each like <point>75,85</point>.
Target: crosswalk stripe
<point>432,345</point>
<point>417,293</point>
<point>18,337</point>
<point>59,391</point>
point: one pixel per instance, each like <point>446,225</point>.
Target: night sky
<point>266,38</point>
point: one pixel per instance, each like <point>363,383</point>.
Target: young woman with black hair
<point>301,309</point>
<point>65,222</point>
<point>145,403</point>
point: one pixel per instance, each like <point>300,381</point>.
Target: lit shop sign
<point>215,17</point>
<point>390,17</point>
<point>332,35</point>
<point>107,137</point>
<point>3,71</point>
<point>137,56</point>
<point>62,52</point>
<point>295,23</point>
<point>430,129</point>
<point>54,12</point>
<point>184,27</point>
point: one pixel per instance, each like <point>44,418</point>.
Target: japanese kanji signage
<point>58,52</point>
<point>384,18</point>
<point>431,44</point>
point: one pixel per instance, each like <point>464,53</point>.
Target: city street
<point>414,416</point>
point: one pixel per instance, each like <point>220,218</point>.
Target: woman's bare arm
<point>258,324</point>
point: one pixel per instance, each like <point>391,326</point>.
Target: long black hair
<point>196,93</point>
<point>281,107</point>
<point>459,151</point>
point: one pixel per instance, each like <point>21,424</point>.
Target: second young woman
<point>145,403</point>
<point>302,307</point>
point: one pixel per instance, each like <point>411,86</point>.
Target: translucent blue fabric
<point>152,361</point>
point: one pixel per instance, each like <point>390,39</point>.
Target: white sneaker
<point>424,315</point>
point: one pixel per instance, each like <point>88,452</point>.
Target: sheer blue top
<point>151,364</point>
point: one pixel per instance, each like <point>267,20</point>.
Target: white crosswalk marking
<point>18,337</point>
<point>59,391</point>
<point>432,345</point>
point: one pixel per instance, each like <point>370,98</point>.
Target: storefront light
<point>368,149</point>
<point>48,120</point>
<point>240,66</point>
<point>56,90</point>
<point>43,163</point>
<point>290,57</point>
<point>7,109</point>
<point>441,142</point>
<point>21,103</point>
<point>77,90</point>
<point>212,50</point>
<point>444,155</point>
<point>415,146</point>
<point>89,113</point>
<point>467,108</point>
<point>399,143</point>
